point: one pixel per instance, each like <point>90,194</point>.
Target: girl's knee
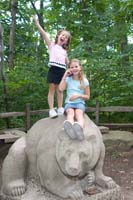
<point>79,112</point>
<point>70,112</point>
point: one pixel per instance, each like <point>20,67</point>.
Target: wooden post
<point>97,112</point>
<point>28,124</point>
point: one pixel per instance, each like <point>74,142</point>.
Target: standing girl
<point>78,92</point>
<point>57,65</point>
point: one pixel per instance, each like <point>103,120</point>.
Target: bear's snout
<point>73,165</point>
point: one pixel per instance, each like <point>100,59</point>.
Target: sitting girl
<point>78,91</point>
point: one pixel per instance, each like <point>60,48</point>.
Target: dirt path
<point>119,165</point>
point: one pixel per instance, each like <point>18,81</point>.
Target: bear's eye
<point>82,155</point>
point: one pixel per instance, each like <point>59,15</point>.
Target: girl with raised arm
<point>58,61</point>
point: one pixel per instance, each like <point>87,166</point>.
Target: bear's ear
<point>62,136</point>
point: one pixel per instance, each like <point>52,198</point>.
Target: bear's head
<point>73,156</point>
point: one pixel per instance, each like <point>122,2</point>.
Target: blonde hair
<point>65,46</point>
<point>81,74</point>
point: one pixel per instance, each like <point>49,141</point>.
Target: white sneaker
<point>52,113</point>
<point>60,111</point>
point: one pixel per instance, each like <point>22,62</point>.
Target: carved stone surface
<point>47,164</point>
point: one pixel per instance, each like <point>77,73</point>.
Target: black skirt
<point>55,74</point>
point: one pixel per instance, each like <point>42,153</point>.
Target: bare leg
<point>79,116</point>
<point>52,88</point>
<point>70,115</point>
<point>59,98</point>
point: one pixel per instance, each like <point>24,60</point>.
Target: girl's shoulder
<point>51,44</point>
<point>86,81</point>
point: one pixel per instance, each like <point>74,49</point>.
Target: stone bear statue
<point>61,163</point>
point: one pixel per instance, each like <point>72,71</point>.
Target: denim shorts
<point>80,106</point>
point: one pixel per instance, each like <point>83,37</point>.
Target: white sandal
<point>68,127</point>
<point>78,131</point>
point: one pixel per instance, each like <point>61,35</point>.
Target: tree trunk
<point>3,76</point>
<point>12,33</point>
<point>121,34</point>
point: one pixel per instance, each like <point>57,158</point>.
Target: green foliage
<point>28,84</point>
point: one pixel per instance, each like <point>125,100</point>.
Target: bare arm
<point>86,95</point>
<point>63,84</point>
<point>41,30</point>
<point>67,61</point>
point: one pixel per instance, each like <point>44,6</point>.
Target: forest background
<point>102,38</point>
